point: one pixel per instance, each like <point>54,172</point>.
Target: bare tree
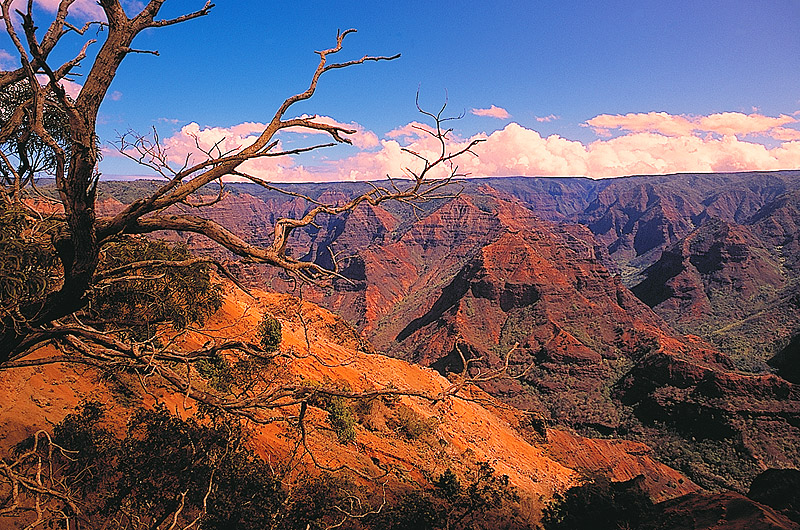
<point>63,250</point>
<point>80,235</point>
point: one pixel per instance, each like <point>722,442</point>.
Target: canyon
<point>649,325</point>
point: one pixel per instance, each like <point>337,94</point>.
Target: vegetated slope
<point>723,248</point>
<point>404,442</point>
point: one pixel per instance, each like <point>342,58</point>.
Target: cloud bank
<point>644,143</point>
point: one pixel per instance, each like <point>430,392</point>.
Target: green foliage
<point>713,464</point>
<point>599,505</point>
<point>28,153</point>
<point>342,419</point>
<point>483,500</point>
<point>416,510</point>
<point>226,373</point>
<point>448,486</point>
<point>311,505</point>
<point>217,371</point>
<point>143,298</point>
<point>140,480</point>
<point>128,191</point>
<point>411,424</point>
<point>269,333</point>
<point>341,415</point>
<point>28,264</point>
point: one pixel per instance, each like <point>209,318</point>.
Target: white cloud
<point>723,123</point>
<point>84,9</point>
<point>653,143</point>
<point>70,87</point>
<point>492,112</point>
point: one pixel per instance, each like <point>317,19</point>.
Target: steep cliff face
<point>540,286</point>
<point>778,224</point>
<point>639,217</point>
<point>748,421</point>
<point>719,272</point>
<point>636,222</point>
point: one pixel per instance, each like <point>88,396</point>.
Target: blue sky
<point>725,71</point>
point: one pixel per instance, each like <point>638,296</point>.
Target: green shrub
<point>137,480</point>
<point>481,501</point>
<point>412,425</point>
<point>447,485</point>
<point>342,419</point>
<point>312,503</point>
<point>218,372</point>
<point>599,505</point>
<point>139,300</point>
<point>269,333</point>
<point>341,416</point>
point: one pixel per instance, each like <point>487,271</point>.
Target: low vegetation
<point>161,468</point>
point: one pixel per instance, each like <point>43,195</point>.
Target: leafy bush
<point>342,419</point>
<point>341,415</point>
<point>269,333</point>
<point>143,298</point>
<point>482,500</point>
<point>28,264</point>
<point>599,505</point>
<point>218,372</point>
<point>162,462</point>
<point>311,505</point>
<point>412,425</point>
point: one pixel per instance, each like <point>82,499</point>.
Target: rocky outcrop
<point>735,284</point>
<point>716,273</point>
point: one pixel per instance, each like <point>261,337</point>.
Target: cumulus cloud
<point>653,143</point>
<point>192,141</point>
<point>361,138</point>
<point>660,122</point>
<point>83,9</point>
<point>516,150</point>
<point>492,112</point>
<point>724,124</point>
<point>414,129</point>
